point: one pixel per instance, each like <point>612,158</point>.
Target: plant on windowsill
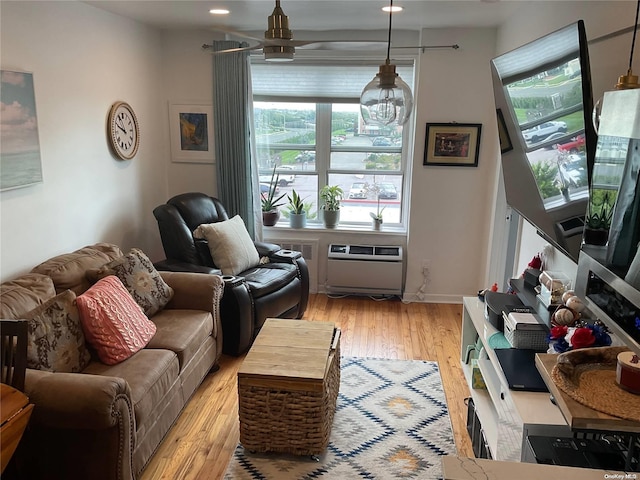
<point>269,204</point>
<point>377,216</point>
<point>330,196</point>
<point>297,212</point>
<point>598,221</point>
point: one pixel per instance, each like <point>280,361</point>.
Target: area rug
<point>391,422</point>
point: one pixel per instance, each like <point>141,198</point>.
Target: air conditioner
<point>364,269</point>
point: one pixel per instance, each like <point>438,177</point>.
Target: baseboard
<point>431,298</point>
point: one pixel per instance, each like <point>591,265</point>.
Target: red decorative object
<point>582,338</point>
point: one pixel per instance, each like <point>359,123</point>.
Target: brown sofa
<point>107,421</point>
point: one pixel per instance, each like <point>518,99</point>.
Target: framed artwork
<point>452,144</point>
<point>20,162</point>
<point>191,130</point>
<point>505,141</point>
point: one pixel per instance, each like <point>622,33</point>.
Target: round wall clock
<point>123,130</point>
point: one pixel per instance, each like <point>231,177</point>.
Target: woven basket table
<point>288,386</point>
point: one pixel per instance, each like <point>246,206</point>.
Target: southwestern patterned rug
<point>391,422</point>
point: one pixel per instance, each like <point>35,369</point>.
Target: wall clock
<point>123,130</point>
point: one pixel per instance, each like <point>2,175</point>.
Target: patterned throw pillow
<point>113,322</point>
<point>141,279</point>
<point>55,340</point>
<point>231,247</point>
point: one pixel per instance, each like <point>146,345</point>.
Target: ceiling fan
<point>278,44</point>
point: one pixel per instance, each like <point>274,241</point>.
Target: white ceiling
<point>313,15</point>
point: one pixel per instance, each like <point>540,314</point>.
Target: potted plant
<point>330,196</point>
<point>598,220</point>
<point>377,216</point>
<point>297,212</point>
<point>270,212</point>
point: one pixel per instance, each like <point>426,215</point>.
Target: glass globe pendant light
<point>387,98</point>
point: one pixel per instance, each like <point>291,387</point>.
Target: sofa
<point>107,420</point>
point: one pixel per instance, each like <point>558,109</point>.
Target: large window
<point>324,142</point>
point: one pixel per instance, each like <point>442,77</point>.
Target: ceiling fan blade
<point>429,47</point>
<point>206,46</point>
<point>344,45</point>
<point>327,44</point>
<point>236,33</point>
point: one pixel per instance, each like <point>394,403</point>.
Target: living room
<point>90,58</point>
<point>84,58</point>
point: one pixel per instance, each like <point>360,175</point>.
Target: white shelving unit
<point>506,416</point>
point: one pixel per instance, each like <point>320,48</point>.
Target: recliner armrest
<point>266,249</point>
<point>285,256</point>
<point>178,266</point>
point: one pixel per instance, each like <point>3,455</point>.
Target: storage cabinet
<point>506,416</point>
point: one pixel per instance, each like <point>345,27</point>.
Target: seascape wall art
<point>20,162</point>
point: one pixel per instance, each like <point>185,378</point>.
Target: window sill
<point>358,229</point>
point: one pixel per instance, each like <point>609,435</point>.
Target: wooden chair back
<point>13,352</point>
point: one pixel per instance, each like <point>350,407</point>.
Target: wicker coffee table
<point>288,386</point>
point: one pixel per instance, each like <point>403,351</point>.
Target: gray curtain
<point>231,122</point>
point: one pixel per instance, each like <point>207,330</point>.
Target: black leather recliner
<point>279,288</point>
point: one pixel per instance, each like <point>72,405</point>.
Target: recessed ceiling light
<point>219,11</point>
<point>392,9</point>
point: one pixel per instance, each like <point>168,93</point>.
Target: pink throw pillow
<point>113,323</point>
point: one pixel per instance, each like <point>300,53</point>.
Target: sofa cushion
<point>23,294</point>
<point>140,278</point>
<point>55,339</point>
<point>231,246</point>
<point>68,270</point>
<point>182,332</point>
<point>150,374</point>
<point>113,322</point>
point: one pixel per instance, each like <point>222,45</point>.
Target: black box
<point>495,303</point>
<point>531,276</point>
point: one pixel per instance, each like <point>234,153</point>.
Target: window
<point>324,142</point>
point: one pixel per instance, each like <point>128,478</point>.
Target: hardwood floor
<point>201,443</point>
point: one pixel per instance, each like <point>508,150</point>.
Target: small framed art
<point>452,144</point>
<point>191,130</point>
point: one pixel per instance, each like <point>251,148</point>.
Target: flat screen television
<point>544,103</point>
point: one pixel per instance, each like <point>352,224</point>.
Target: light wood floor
<point>200,444</point>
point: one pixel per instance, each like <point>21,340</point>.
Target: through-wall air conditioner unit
<point>364,269</point>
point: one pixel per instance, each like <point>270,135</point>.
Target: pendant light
<point>625,82</point>
<point>386,99</point>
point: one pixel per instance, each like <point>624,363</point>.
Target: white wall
<point>83,60</point>
<point>187,76</point>
<point>451,207</point>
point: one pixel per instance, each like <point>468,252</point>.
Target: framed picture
<point>452,144</point>
<point>20,162</point>
<point>191,130</point>
<point>505,141</point>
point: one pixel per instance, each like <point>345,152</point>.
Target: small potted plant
<point>377,216</point>
<point>330,196</point>
<point>297,211</point>
<point>598,221</point>
<point>270,212</point>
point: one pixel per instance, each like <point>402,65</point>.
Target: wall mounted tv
<point>544,102</point>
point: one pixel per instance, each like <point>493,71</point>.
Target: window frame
<point>324,149</point>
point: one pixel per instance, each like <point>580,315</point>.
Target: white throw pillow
<point>231,246</point>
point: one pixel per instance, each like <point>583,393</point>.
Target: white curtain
<point>232,114</point>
